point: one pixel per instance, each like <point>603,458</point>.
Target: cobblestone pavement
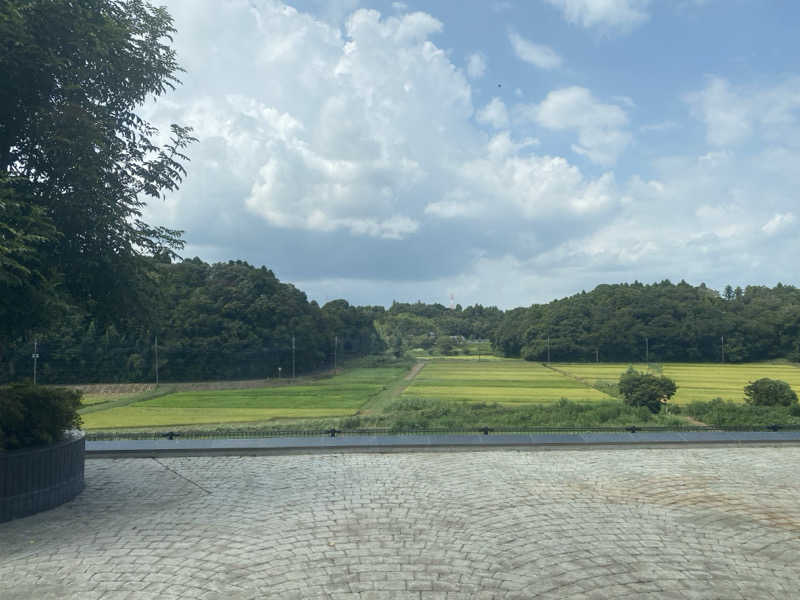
<point>662,523</point>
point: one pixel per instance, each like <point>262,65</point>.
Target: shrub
<point>769,392</point>
<point>34,415</point>
<point>644,389</point>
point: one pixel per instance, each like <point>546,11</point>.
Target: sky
<point>501,153</point>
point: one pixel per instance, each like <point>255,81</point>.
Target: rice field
<point>337,396</point>
<point>505,381</point>
<point>696,381</point>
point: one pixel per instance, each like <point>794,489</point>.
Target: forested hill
<point>232,320</point>
<point>420,325</point>
<point>221,321</point>
<point>678,322</point>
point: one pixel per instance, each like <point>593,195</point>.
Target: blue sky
<point>503,152</point>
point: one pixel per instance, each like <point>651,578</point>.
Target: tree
<point>445,345</point>
<point>644,389</point>
<point>77,162</point>
<point>769,392</point>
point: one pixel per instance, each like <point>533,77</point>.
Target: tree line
<point>205,321</point>
<point>660,322</point>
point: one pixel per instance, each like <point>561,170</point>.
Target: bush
<point>34,415</point>
<point>769,392</point>
<point>720,413</point>
<point>644,389</point>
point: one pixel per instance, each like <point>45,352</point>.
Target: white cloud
<point>535,187</point>
<point>602,128</point>
<point>778,222</point>
<point>494,114</point>
<point>331,151</point>
<point>538,55</point>
<point>735,115</point>
<point>476,65</point>
<point>344,157</point>
<point>621,15</point>
<point>726,116</point>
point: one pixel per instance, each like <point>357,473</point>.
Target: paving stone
<point>676,523</point>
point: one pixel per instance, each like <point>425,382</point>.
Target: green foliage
<point>222,321</point>
<point>678,322</point>
<point>445,345</point>
<point>769,392</point>
<point>409,414</point>
<point>35,415</point>
<point>77,162</point>
<point>418,325</point>
<point>645,389</point>
<point>720,413</point>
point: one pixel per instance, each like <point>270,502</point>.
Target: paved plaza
<point>623,523</point>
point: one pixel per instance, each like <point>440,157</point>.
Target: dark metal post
<point>156,361</point>
<point>35,357</point>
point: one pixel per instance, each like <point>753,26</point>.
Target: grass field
<point>696,382</point>
<point>506,381</point>
<point>337,396</point>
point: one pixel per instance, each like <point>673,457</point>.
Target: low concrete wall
<point>37,479</point>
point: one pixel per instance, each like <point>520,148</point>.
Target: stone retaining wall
<point>37,479</point>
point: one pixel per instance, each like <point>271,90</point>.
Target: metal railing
<point>196,434</point>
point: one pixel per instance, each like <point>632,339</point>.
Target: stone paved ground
<point>678,523</point>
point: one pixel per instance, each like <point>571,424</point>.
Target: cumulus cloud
<point>355,146</point>
<point>602,128</point>
<point>351,159</point>
<point>538,55</point>
<point>539,188</point>
<point>476,65</point>
<point>619,15</point>
<point>494,114</point>
<point>734,115</point>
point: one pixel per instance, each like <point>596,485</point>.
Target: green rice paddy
<point>337,396</point>
<point>505,381</point>
<point>509,382</point>
<point>696,381</point>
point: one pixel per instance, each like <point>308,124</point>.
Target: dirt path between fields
<point>414,371</point>
<point>391,392</point>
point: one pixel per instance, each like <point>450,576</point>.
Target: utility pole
<point>722,340</point>
<point>335,344</point>
<point>597,356</point>
<point>548,349</point>
<point>293,346</point>
<point>156,361</point>
<point>647,350</point>
<point>35,357</point>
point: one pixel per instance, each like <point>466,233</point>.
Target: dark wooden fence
<point>38,479</point>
